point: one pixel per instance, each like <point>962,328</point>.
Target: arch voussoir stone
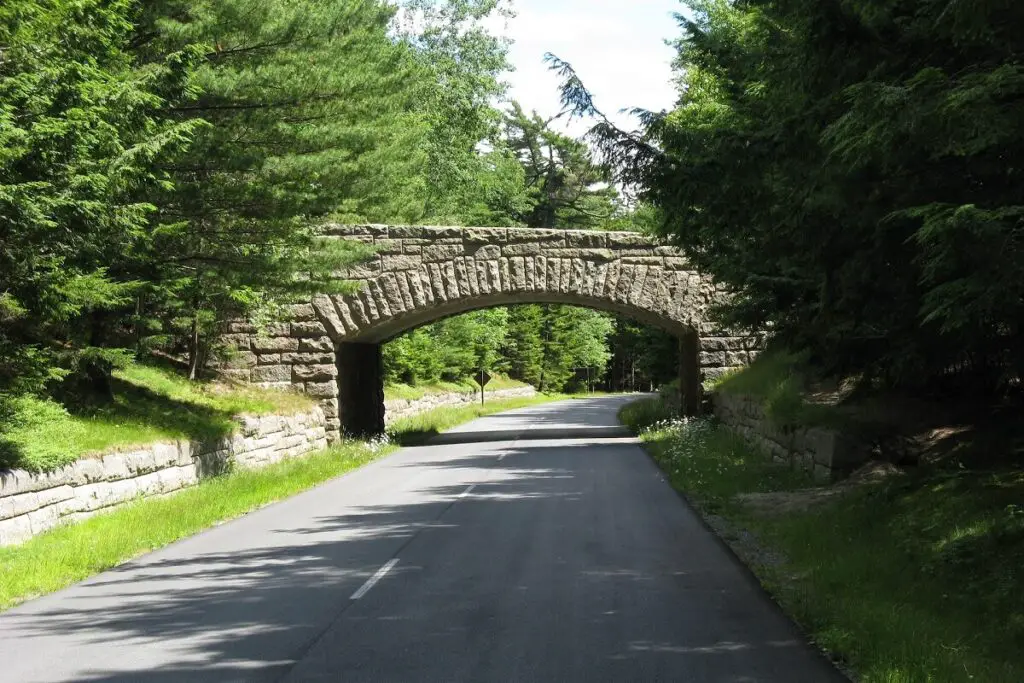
<point>421,274</point>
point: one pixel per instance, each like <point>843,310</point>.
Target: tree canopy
<point>848,170</point>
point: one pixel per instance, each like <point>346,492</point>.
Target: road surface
<point>536,545</point>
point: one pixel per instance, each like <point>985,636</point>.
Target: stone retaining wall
<point>825,453</point>
<point>397,408</point>
<point>32,503</point>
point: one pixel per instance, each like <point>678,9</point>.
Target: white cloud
<point>617,47</point>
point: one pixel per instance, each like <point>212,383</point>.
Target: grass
<point>916,578</point>
<point>412,393</point>
<point>780,380</point>
<point>149,404</point>
<point>68,554</point>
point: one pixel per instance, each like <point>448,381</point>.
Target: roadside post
<point>482,379</point>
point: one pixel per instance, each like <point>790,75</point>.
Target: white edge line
<point>372,581</point>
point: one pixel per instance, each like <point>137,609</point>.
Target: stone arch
<point>331,347</point>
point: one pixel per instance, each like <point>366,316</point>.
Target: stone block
<point>308,329</point>
<point>485,235</point>
<point>318,344</point>
<point>395,263</point>
<point>314,373</point>
<point>835,451</point>
<point>275,344</point>
<point>521,249</point>
<point>115,467</point>
<point>387,246</point>
<point>586,239</point>
<point>14,531</point>
<point>236,374</point>
<point>307,358</point>
<point>239,342</point>
<point>300,312</point>
<point>355,230</point>
<point>272,373</point>
<point>490,251</point>
<point>240,360</point>
<point>140,462</point>
<point>322,389</point>
<point>442,252</point>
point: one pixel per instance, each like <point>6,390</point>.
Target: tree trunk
<point>193,350</point>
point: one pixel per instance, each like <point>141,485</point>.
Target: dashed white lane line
<point>372,581</point>
<point>467,491</point>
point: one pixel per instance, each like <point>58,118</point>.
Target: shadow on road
<point>217,615</point>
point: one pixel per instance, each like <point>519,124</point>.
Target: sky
<point>616,46</point>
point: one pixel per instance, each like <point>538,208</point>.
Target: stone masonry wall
<point>824,453</point>
<point>397,408</point>
<point>32,503</point>
<point>421,274</point>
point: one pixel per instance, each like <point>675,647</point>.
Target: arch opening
<point>361,371</point>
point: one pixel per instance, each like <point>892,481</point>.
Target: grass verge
<point>412,393</point>
<point>780,381</point>
<point>149,404</point>
<point>69,554</point>
<point>916,578</point>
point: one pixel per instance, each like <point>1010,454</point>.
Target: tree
<point>470,177</point>
<point>849,170</point>
<point>568,189</point>
<point>81,129</point>
<point>309,112</point>
<point>642,356</point>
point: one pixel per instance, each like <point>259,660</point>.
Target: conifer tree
<point>80,131</point>
<point>310,114</point>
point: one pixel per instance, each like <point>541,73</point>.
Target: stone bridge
<point>331,347</point>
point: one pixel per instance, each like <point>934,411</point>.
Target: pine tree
<point>851,171</point>
<point>310,114</point>
<point>568,189</point>
<point>80,132</point>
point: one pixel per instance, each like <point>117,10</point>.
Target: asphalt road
<point>537,545</point>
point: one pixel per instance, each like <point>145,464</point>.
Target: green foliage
<point>81,134</point>
<point>466,386</point>
<point>463,63</point>
<point>568,189</point>
<point>454,349</point>
<point>641,415</point>
<point>643,357</point>
<point>781,381</point>
<point>851,170</point>
<point>308,113</point>
<point>703,458</point>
